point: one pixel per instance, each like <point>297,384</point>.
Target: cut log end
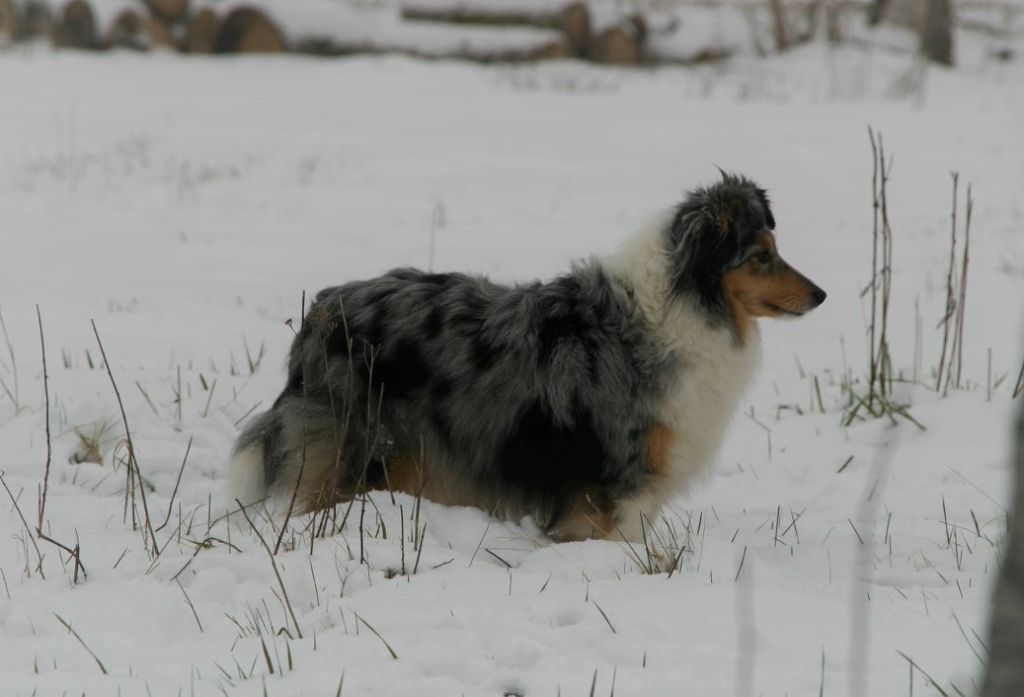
<point>76,27</point>
<point>248,30</point>
<point>8,21</point>
<point>126,31</point>
<point>574,23</point>
<point>201,35</point>
<point>618,45</point>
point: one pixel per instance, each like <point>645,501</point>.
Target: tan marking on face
<point>658,447</point>
<point>754,289</point>
<point>737,289</point>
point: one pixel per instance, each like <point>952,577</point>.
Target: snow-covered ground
<point>185,204</point>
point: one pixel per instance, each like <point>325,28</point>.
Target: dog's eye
<point>763,257</point>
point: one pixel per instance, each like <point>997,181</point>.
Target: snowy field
<point>185,204</point>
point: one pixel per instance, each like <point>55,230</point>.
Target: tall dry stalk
<point>880,361</point>
<point>950,369</point>
<point>950,295</point>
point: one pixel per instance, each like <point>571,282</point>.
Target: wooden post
<point>1005,676</point>
<point>937,33</point>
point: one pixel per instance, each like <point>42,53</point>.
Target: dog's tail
<point>289,450</point>
<point>251,474</point>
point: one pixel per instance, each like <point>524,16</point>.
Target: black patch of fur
<point>550,458</point>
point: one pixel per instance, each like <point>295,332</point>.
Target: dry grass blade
<point>919,669</point>
<point>177,482</point>
<point>377,634</point>
<point>132,460</point>
<point>80,641</point>
<point>190,605</point>
<point>739,569</point>
<point>273,564</point>
<point>605,616</point>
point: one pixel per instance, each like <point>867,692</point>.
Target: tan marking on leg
<point>586,520</point>
<point>404,473</point>
<point>318,487</point>
<point>658,448</point>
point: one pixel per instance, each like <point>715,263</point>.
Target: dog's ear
<point>698,249</point>
<point>769,219</point>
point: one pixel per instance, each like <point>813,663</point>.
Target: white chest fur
<point>713,370</point>
<point>713,374</point>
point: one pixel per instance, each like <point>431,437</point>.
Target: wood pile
<point>142,25</point>
<point>480,30</point>
<point>458,30</point>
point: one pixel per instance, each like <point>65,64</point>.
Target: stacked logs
<point>175,25</point>
<point>145,25</point>
<point>619,44</point>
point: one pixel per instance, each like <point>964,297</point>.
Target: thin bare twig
<point>49,444</point>
<point>28,530</point>
<point>177,482</point>
<point>961,307</point>
<point>12,395</point>
<point>75,554</point>
<point>950,295</point>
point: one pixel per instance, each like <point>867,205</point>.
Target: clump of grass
<point>662,546</point>
<point>92,441</point>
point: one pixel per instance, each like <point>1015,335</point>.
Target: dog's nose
<point>818,296</point>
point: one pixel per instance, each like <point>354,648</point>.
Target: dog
<point>585,402</point>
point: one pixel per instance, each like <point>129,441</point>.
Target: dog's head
<point>723,253</point>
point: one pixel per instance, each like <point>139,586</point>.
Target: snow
<point>186,204</point>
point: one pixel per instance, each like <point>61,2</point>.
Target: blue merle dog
<point>585,402</point>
